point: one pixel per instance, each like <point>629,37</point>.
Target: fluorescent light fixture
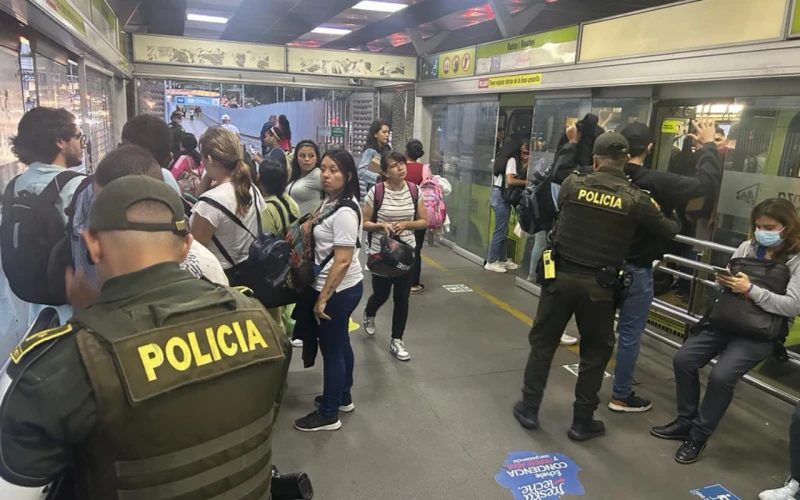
<point>206,19</point>
<point>322,30</point>
<point>380,6</point>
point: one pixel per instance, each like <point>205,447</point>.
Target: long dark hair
<point>347,165</point>
<point>189,144</point>
<point>306,143</point>
<point>415,150</point>
<point>783,211</point>
<point>283,123</point>
<point>512,148</point>
<point>224,146</point>
<point>372,141</point>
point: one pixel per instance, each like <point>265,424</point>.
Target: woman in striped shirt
<point>399,213</point>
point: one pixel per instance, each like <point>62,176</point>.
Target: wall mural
<point>352,64</point>
<point>214,53</point>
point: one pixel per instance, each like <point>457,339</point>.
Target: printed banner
<point>714,492</point>
<point>449,64</point>
<point>204,53</point>
<point>531,79</point>
<point>539,476</point>
<point>352,64</point>
<point>529,51</point>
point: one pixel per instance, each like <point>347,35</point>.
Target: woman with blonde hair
<point>225,218</point>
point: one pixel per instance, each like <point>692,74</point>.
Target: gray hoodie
<point>784,305</point>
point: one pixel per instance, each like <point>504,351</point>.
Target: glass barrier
<point>616,114</point>
<point>461,149</point>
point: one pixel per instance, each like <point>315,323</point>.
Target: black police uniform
<point>167,387</point>
<point>599,213</point>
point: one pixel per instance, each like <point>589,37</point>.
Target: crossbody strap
<point>357,210</point>
<point>236,220</point>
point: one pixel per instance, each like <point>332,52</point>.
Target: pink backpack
<point>434,203</point>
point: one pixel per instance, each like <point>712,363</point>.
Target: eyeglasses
<point>81,137</point>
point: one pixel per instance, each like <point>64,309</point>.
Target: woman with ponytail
<point>232,196</point>
<point>286,130</point>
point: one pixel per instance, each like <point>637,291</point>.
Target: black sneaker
<point>314,422</point>
<point>689,452</point>
<point>346,406</point>
<point>584,430</point>
<point>528,419</point>
<point>631,404</point>
<point>674,430</point>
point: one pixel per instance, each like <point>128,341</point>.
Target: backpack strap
<point>377,201</point>
<point>70,211</point>
<point>414,190</point>
<point>343,203</point>
<point>236,220</point>
<point>50,193</point>
<point>284,222</point>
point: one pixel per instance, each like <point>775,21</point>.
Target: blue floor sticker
<point>539,476</point>
<point>714,492</point>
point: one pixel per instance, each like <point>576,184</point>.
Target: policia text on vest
<point>599,213</point>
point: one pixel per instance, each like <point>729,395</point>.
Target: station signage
<point>529,80</point>
<point>452,64</point>
<point>530,51</point>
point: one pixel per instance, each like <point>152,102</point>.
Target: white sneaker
<point>568,339</point>
<point>495,267</point>
<point>398,348</point>
<point>369,325</point>
<point>510,266</point>
<point>297,342</point>
<point>787,492</point>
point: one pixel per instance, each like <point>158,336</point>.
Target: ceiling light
<point>206,19</point>
<point>380,6</point>
<point>322,30</point>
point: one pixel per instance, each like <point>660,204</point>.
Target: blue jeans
<point>502,212</point>
<point>632,321</point>
<point>539,245</point>
<point>337,353</point>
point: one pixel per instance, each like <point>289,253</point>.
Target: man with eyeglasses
<point>50,142</point>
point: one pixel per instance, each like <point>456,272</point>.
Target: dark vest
<point>186,396</point>
<point>595,226</point>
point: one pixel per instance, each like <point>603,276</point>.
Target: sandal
<point>418,289</point>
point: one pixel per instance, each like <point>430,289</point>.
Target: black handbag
<point>734,314</point>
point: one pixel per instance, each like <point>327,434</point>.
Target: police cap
<point>638,135</point>
<point>610,144</point>
<point>110,206</point>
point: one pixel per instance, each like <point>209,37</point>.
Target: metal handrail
<point>703,244</point>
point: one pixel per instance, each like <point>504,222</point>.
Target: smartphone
<point>723,271</point>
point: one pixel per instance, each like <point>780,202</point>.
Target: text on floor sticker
<point>573,369</point>
<point>714,492</point>
<point>539,476</point>
<point>457,288</point>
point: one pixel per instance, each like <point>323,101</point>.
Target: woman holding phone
<point>775,226</point>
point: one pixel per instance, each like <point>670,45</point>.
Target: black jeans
<point>417,269</point>
<point>737,356</point>
<point>381,288</point>
<point>593,308</point>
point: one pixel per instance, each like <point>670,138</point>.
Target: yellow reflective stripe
<point>37,339</point>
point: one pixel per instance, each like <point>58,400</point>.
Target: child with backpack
<point>188,168</point>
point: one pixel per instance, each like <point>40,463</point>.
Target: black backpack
<point>536,210</point>
<point>34,243</point>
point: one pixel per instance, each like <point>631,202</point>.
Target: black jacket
<point>672,191</point>
<point>567,161</point>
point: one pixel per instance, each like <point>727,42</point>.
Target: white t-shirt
<point>511,169</point>
<point>233,238</point>
<point>397,206</point>
<point>341,229</point>
<point>231,127</point>
<point>200,262</point>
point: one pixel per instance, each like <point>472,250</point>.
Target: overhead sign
<point>68,13</point>
<point>669,126</point>
<point>531,79</point>
<point>529,51</point>
<point>539,476</point>
<point>196,101</point>
<point>208,53</point>
<point>714,492</point>
<point>351,64</point>
<point>449,64</point>
<point>795,28</point>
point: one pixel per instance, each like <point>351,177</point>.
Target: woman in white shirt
<point>505,171</point>
<point>213,222</point>
<point>323,311</point>
<point>397,215</point>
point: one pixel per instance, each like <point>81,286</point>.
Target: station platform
<point>440,426</point>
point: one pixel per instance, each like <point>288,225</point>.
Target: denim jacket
<point>367,178</point>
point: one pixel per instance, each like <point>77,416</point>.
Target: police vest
<point>595,227</point>
<point>186,399</point>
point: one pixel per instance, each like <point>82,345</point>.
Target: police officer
<point>166,387</point>
<point>599,214</point>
